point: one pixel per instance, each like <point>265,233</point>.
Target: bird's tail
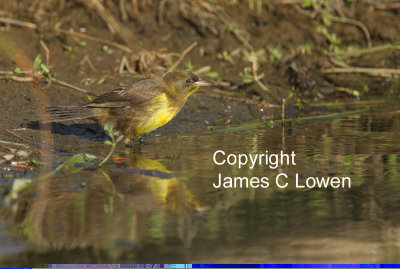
<point>69,113</point>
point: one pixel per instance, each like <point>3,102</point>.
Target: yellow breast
<point>160,113</point>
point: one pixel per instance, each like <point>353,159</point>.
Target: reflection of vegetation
<point>156,232</point>
<point>81,161</point>
<point>100,213</point>
<point>73,165</point>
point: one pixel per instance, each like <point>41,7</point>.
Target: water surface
<point>156,203</point>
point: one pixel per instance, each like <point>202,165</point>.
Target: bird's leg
<point>128,143</point>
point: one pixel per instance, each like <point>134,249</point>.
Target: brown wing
<point>138,93</point>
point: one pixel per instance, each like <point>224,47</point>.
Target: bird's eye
<point>188,80</point>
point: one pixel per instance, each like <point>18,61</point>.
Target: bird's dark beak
<point>203,83</point>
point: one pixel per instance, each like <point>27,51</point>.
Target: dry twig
<point>288,2</point>
<point>97,39</point>
<point>356,23</point>
<point>186,51</point>
<point>16,78</point>
<point>387,6</point>
<point>18,23</point>
<point>89,62</point>
<point>70,86</point>
<point>46,49</point>
<point>381,72</point>
<point>124,64</point>
<point>13,144</point>
<point>16,135</point>
<point>10,76</point>
<point>113,24</point>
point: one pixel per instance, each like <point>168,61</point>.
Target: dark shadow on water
<point>92,131</point>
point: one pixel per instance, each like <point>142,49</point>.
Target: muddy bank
<point>290,45</point>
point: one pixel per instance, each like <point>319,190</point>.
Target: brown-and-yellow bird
<point>139,108</point>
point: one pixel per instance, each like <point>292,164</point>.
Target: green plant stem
<point>113,146</point>
<point>284,101</point>
<point>360,52</point>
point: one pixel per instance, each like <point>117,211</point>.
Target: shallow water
<point>156,203</point>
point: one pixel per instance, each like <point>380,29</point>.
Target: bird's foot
<point>141,141</point>
<point>128,143</point>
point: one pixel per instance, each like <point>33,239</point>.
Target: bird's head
<point>183,84</point>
